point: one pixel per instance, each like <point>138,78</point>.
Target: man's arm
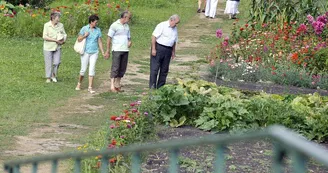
<point>173,50</point>
<point>153,45</point>
<point>108,47</point>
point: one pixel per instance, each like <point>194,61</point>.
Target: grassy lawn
<point>26,98</point>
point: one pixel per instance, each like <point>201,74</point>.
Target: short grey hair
<point>124,14</point>
<point>54,14</point>
<point>174,17</point>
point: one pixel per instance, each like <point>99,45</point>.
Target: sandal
<point>113,90</point>
<point>119,89</point>
<point>78,86</point>
<point>91,91</point>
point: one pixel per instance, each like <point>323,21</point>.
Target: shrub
<point>33,3</point>
<point>131,127</point>
<point>29,21</point>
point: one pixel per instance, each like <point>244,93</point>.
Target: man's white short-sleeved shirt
<point>120,34</point>
<point>165,35</point>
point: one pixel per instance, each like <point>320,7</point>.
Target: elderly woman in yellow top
<point>54,36</point>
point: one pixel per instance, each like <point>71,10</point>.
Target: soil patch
<point>241,157</point>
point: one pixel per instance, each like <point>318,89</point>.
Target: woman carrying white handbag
<point>92,35</point>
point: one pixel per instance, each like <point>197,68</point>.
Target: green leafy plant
<point>222,112</point>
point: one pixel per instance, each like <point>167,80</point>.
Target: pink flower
<point>112,126</point>
<point>225,43</point>
<point>318,27</point>
<point>219,33</point>
<point>118,119</point>
<point>128,126</point>
<point>265,48</point>
<point>146,113</point>
<point>134,110</point>
<point>111,146</point>
<point>302,28</point>
<point>310,18</point>
<point>322,19</point>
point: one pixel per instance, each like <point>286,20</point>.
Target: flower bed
<point>289,53</point>
<point>131,127</point>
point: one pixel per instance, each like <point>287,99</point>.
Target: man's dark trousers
<point>160,63</point>
<point>119,64</point>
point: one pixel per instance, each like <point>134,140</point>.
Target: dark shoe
<point>207,16</point>
<point>198,11</point>
<point>203,11</point>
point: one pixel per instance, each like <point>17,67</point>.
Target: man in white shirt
<point>163,43</point>
<point>120,39</point>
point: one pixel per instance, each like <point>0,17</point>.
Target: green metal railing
<point>286,143</point>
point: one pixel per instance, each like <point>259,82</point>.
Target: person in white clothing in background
<point>210,9</point>
<point>232,8</point>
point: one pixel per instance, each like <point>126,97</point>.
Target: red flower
<point>113,117</point>
<point>132,104</point>
<point>118,6</point>
<point>114,142</point>
<point>241,29</point>
<point>294,57</point>
<point>112,160</point>
<point>246,25</point>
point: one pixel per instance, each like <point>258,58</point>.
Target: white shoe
<point>78,86</point>
<point>91,91</point>
<point>48,81</point>
<point>54,79</point>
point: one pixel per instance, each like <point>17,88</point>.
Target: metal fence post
<point>299,162</point>
<point>173,160</point>
<point>136,162</point>
<point>278,159</point>
<point>220,160</point>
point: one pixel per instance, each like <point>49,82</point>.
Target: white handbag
<point>79,46</point>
